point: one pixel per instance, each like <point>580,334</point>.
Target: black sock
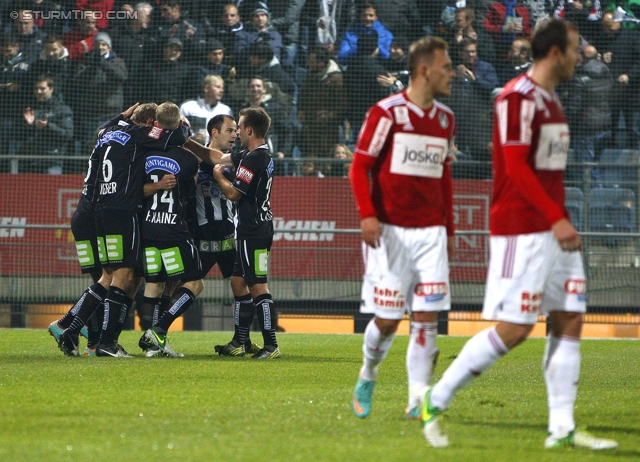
<point>124,312</point>
<point>265,311</point>
<point>244,311</point>
<point>182,299</point>
<point>165,304</point>
<point>67,319</point>
<point>113,305</point>
<point>92,297</point>
<point>94,326</point>
<point>147,311</point>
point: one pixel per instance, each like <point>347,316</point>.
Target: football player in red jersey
<point>401,180</point>
<point>535,266</point>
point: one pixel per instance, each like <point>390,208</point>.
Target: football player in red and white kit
<point>401,180</point>
<point>535,265</point>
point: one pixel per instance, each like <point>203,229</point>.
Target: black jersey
<point>214,212</point>
<point>122,158</point>
<point>254,176</point>
<point>164,212</point>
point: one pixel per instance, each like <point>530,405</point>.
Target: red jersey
<point>530,146</point>
<point>408,152</point>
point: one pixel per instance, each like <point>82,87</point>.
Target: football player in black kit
<point>214,233</point>
<point>251,190</point>
<point>120,199</point>
<point>88,309</point>
<point>170,253</point>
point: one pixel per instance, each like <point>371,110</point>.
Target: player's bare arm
<point>225,185</point>
<point>166,183</point>
<point>208,155</point>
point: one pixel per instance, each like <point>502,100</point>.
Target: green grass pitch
<point>211,408</point>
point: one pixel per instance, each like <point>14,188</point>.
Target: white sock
<point>561,374</point>
<point>375,348</point>
<point>478,355</point>
<point>420,357</point>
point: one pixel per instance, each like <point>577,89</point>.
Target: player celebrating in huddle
<point>401,180</point>
<point>535,265</point>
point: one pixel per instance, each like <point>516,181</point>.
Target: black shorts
<point>252,260</point>
<point>119,242</point>
<point>83,227</point>
<point>221,252</point>
<point>170,261</point>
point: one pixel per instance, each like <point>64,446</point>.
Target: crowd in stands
<point>315,66</point>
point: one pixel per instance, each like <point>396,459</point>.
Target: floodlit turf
<point>210,408</point>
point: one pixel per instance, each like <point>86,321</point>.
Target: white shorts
<point>529,275</point>
<point>408,272</point>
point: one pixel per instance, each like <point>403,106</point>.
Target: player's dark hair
<point>424,48</point>
<point>256,118</point>
<point>217,122</point>
<point>144,112</point>
<point>549,33</point>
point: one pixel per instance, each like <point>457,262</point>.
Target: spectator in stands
<point>397,77</point>
<point>463,28</point>
<point>361,80</point>
<point>45,15</point>
<point>13,86</point>
<point>326,22</point>
<point>54,61</point>
<point>506,20</point>
<point>170,79</point>
<point>261,62</point>
<point>202,109</point>
<point>278,135</point>
<point>368,25</point>
<point>285,17</point>
<point>260,29</point>
<point>97,84</point>
<point>586,16</point>
<point>214,64</point>
<point>309,168</point>
<point>175,23</point>
<point>322,104</point>
<point>587,104</point>
<point>79,41</point>
<point>540,10</point>
<point>619,48</point>
<point>100,6</point>
<point>400,17</point>
<point>135,44</point>
<point>29,35</point>
<point>342,152</point>
<point>46,128</point>
<point>232,34</point>
<point>519,60</point>
<point>471,101</point>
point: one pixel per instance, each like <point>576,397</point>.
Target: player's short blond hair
<point>168,115</point>
<point>424,49</point>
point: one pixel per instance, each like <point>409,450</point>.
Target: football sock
<point>421,355</point>
<point>165,304</point>
<point>124,312</point>
<point>561,373</point>
<point>244,312</point>
<point>90,300</point>
<point>147,311</point>
<point>265,310</point>
<point>67,319</point>
<point>374,348</point>
<point>182,299</point>
<point>113,304</point>
<point>478,355</point>
<point>93,326</point>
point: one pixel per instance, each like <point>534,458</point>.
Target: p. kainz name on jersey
<point>162,218</point>
<point>418,155</point>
